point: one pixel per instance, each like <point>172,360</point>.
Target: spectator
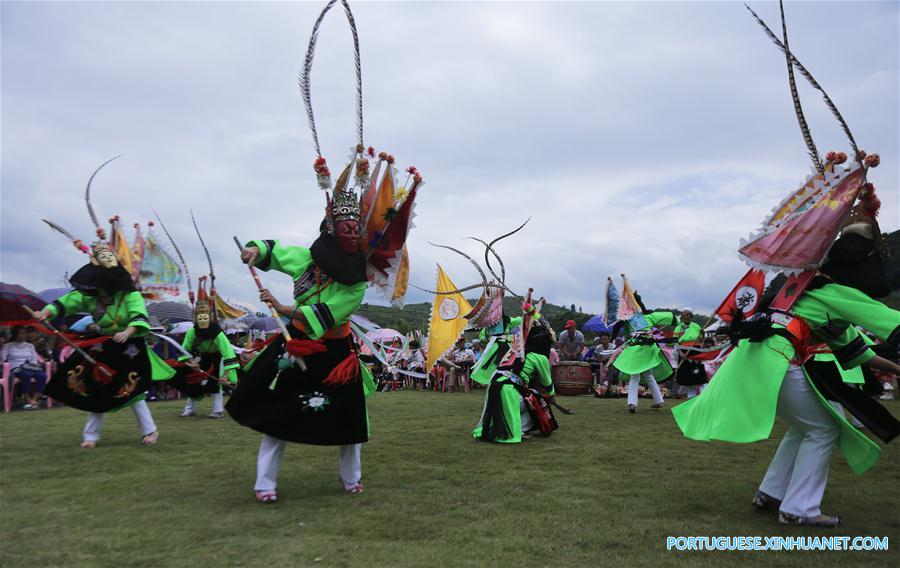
<point>462,358</point>
<point>25,367</point>
<point>599,354</point>
<point>572,342</point>
<point>39,341</point>
<point>476,349</point>
<point>554,354</point>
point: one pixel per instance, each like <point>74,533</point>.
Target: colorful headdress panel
<point>803,227</point>
<point>372,198</point>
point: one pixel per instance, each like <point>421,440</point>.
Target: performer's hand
<point>194,364</point>
<point>249,254</point>
<point>42,315</point>
<point>121,337</point>
<point>267,297</point>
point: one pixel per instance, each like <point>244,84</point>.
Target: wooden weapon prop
<point>103,368</point>
<point>284,331</point>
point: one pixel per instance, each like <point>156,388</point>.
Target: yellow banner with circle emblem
<point>447,321</point>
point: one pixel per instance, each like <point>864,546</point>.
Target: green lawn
<point>607,488</point>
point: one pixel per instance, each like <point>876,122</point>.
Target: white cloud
<point>642,138</point>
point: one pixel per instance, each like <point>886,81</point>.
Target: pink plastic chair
<point>6,385</point>
<point>48,368</point>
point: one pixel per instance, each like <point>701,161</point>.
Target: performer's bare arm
<point>123,336</point>
<point>882,364</point>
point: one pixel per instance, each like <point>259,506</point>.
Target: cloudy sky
<point>644,138</point>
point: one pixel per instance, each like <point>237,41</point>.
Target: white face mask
<point>107,259</point>
<point>203,321</point>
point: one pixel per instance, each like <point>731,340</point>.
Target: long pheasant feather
<point>184,266</point>
<point>812,81</point>
<point>87,192</point>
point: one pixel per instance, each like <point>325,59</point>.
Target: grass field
<point>607,488</point>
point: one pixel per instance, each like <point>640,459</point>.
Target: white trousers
<point>141,412</point>
<point>271,450</point>
<point>527,423</point>
<point>218,405</point>
<point>798,473</point>
<point>647,377</point>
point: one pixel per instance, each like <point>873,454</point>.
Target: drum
<point>573,378</point>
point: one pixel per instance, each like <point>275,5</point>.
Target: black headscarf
<point>345,268</point>
<point>92,279</point>
<point>853,261</point>
<point>539,341</point>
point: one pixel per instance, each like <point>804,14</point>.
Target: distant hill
<point>415,316</point>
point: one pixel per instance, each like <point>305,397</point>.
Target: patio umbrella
<point>12,297</point>
<point>265,324</point>
<point>180,328</point>
<point>595,325</point>
<point>171,312</point>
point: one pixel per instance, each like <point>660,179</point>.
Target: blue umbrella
<point>82,324</point>
<point>51,294</point>
<point>595,325</point>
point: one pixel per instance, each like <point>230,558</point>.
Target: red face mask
<point>347,235</point>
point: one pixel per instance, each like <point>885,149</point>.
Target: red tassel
<point>103,377</point>
<point>304,347</point>
<point>344,373</point>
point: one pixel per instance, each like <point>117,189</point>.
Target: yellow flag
<point>447,321</point>
<point>402,281</point>
<point>227,311</point>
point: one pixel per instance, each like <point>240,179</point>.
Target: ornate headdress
<point>488,310</point>
<point>205,303</point>
<point>370,196</point>
<point>101,248</point>
<point>800,231</point>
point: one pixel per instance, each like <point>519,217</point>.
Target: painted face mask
<point>347,236</point>
<point>106,258</point>
<point>202,321</point>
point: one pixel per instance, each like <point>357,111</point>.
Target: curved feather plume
<point>812,81</point>
<point>798,109</point>
<point>187,273</point>
<point>458,290</point>
<point>467,257</point>
<point>490,247</point>
<point>79,244</point>
<point>304,78</point>
<point>212,273</point>
<point>502,277</point>
<point>87,192</point>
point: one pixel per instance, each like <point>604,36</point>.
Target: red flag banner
<point>745,296</point>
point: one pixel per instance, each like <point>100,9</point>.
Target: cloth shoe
<point>820,521</point>
<point>764,501</point>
